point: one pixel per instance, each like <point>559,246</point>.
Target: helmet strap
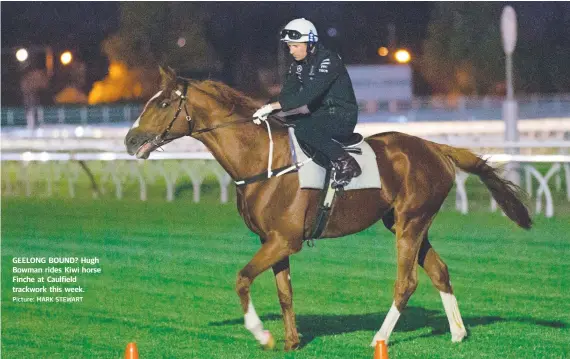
<point>311,47</point>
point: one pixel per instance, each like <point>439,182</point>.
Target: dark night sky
<point>83,25</point>
<point>61,23</point>
<point>86,24</point>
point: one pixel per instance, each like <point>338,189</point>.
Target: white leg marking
<point>456,326</point>
<point>388,325</point>
<point>137,122</point>
<point>255,326</point>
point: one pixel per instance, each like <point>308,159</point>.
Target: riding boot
<point>346,168</point>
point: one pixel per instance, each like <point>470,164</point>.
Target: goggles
<point>292,34</point>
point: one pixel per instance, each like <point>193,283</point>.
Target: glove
<point>262,113</point>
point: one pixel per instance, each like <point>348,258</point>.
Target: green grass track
<point>169,269</point>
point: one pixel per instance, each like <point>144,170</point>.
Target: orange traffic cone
<point>132,352</point>
<point>381,351</point>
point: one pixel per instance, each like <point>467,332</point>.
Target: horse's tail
<point>507,194</point>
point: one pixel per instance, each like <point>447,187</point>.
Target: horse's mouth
<point>143,152</point>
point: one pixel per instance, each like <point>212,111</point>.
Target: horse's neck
<point>243,150</point>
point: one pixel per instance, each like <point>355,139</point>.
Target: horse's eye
<point>164,104</point>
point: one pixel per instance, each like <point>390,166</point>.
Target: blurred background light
<point>66,58</point>
<point>22,55</point>
<point>402,56</point>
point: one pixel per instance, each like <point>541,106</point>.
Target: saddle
<point>352,143</point>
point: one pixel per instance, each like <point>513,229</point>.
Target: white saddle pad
<point>312,175</point>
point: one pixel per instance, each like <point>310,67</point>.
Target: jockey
<point>317,78</point>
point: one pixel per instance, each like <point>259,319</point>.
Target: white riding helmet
<point>299,30</point>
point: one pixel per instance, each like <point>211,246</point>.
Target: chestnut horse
<point>416,177</point>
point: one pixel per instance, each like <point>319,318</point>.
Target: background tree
<point>154,33</point>
<point>462,52</point>
<point>548,55</point>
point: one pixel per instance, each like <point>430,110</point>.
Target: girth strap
<point>263,176</point>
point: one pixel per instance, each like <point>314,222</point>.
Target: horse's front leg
<point>285,293</point>
<point>271,252</point>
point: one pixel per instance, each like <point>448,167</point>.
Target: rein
<point>182,104</point>
<point>270,173</point>
<point>236,122</point>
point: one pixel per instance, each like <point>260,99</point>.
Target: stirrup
<point>339,185</point>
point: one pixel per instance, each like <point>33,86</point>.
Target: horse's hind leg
<point>436,269</point>
<point>409,236</point>
<point>285,293</point>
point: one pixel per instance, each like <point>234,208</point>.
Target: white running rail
<point>120,169</point>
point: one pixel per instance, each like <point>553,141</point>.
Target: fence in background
<point>25,170</point>
<point>72,115</point>
<point>481,135</point>
<point>111,169</point>
<point>460,108</point>
<point>418,109</point>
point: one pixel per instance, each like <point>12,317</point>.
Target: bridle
<point>159,139</point>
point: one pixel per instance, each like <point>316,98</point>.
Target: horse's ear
<point>168,77</point>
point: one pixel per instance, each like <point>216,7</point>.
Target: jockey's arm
<point>327,71</point>
<point>290,86</point>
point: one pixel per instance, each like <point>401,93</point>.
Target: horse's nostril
<point>133,141</point>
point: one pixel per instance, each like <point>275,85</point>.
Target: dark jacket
<point>320,81</point>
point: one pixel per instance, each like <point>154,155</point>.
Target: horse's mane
<point>232,98</point>
<point>227,95</point>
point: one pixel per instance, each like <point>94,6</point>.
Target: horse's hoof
<point>270,345</point>
<point>291,347</point>
<point>459,336</point>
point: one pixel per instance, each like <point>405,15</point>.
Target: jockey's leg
<point>318,132</point>
<point>314,132</point>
